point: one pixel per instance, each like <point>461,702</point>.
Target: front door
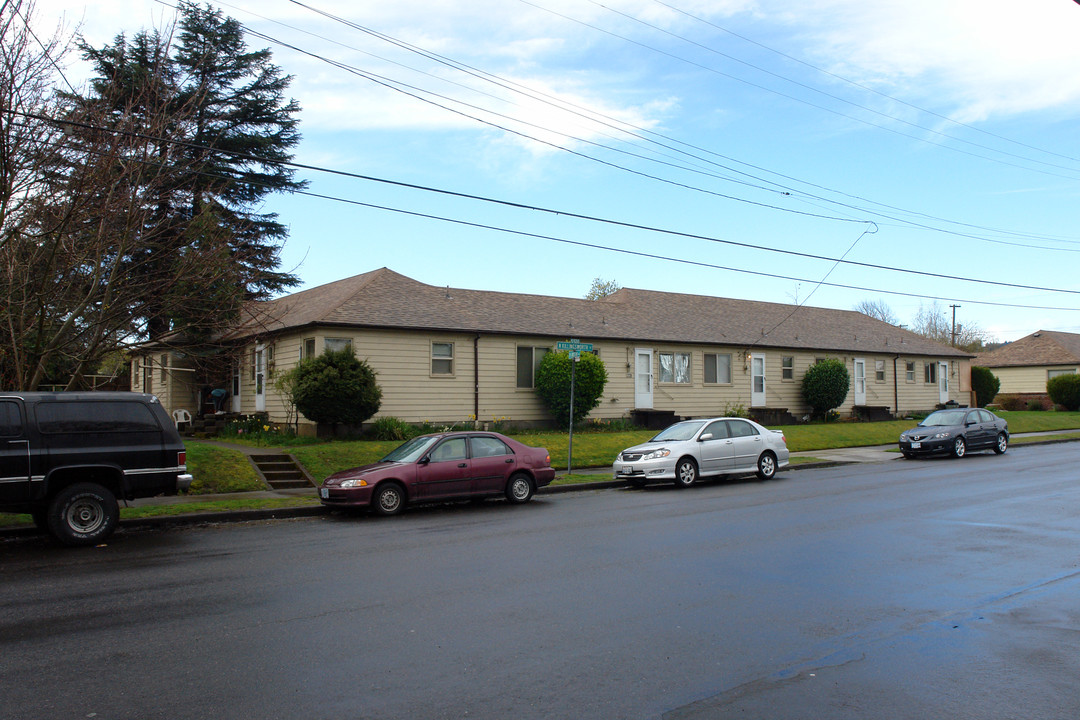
<point>860,381</point>
<point>757,380</point>
<point>234,395</point>
<point>717,451</point>
<point>260,378</point>
<point>14,453</point>
<point>446,472</point>
<point>643,378</point>
<point>943,382</point>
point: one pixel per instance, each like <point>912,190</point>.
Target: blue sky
<point>934,136</point>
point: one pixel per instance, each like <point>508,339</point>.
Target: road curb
<point>208,518</point>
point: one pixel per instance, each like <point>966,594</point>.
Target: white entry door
<point>943,382</point>
<point>757,380</point>
<point>860,381</point>
<point>260,378</point>
<point>643,378</point>
<point>237,369</point>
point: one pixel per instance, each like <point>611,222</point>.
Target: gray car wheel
<point>83,514</point>
<point>685,473</point>
<point>1002,444</point>
<point>519,489</point>
<point>959,448</point>
<point>389,499</point>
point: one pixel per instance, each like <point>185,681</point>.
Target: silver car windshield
<point>679,431</point>
<point>411,450</point>
<point>942,418</point>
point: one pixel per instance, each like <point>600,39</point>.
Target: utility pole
<point>954,317</point>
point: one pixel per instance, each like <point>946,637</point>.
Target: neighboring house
<point>450,355</point>
<point>1024,366</point>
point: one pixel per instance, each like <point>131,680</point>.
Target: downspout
<point>476,380</point>
<point>895,388</point>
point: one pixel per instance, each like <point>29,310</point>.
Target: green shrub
<point>392,428</point>
<point>1034,405</point>
<point>553,384</point>
<point>985,384</point>
<point>336,387</point>
<point>825,386</point>
<point>1065,391</point>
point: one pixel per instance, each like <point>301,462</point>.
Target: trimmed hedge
<point>1065,390</point>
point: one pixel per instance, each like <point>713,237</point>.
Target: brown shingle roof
<point>1045,347</point>
<point>385,299</point>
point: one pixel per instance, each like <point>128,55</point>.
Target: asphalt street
<point>904,589</point>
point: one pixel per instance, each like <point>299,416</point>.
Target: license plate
<point>916,445</point>
<point>628,470</point>
<point>324,493</point>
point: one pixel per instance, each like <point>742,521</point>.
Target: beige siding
<point>1026,379</point>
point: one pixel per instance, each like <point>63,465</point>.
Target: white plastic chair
<point>180,415</point>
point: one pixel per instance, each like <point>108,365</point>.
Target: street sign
<point>574,345</point>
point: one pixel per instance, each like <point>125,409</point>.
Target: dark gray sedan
<point>954,431</point>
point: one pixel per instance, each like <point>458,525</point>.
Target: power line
<point>545,210</point>
<point>784,190</point>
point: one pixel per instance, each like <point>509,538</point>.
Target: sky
<point>735,148</point>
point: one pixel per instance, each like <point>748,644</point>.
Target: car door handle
<point>509,460</point>
<point>464,465</point>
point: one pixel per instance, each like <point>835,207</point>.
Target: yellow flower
<point>266,428</point>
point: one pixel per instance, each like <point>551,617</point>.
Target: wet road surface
<point>906,589</point>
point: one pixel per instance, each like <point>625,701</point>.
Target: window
<point>442,358</point>
<point>148,375</point>
<point>335,344</point>
<point>879,370</point>
<point>308,349</point>
<point>787,368</point>
<point>164,363</point>
<point>488,447</point>
<point>909,369</point>
<point>718,430</point>
<point>1059,373</point>
<point>452,449</point>
<point>717,368</point>
<point>112,417</point>
<point>739,428</point>
<point>10,420</point>
<point>528,362</point>
<point>930,372</point>
<point>674,367</point>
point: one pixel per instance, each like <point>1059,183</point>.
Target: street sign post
<point>575,347</point>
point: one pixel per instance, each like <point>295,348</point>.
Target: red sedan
<point>439,467</point>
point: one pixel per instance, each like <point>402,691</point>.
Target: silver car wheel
<point>959,448</point>
<point>766,465</point>
<point>389,500</point>
<point>1002,444</point>
<point>685,473</point>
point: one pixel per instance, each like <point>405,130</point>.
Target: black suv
<point>66,457</point>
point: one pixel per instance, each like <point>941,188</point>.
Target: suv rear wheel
<point>83,514</point>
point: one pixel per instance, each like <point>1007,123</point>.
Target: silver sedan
<point>691,449</point>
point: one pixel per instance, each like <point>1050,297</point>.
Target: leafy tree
<point>553,384</point>
<point>1064,390</point>
<point>985,384</point>
<point>601,289</point>
<point>825,386</point>
<point>336,387</point>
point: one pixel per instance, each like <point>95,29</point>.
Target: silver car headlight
<point>656,454</point>
<point>942,435</point>
<point>353,482</point>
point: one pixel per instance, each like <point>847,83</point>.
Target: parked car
<point>691,449</point>
<point>440,467</point>
<point>955,431</point>
<point>65,458</point>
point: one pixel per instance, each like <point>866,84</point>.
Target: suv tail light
<point>181,458</point>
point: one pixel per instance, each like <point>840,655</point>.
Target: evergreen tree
<point>231,129</point>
